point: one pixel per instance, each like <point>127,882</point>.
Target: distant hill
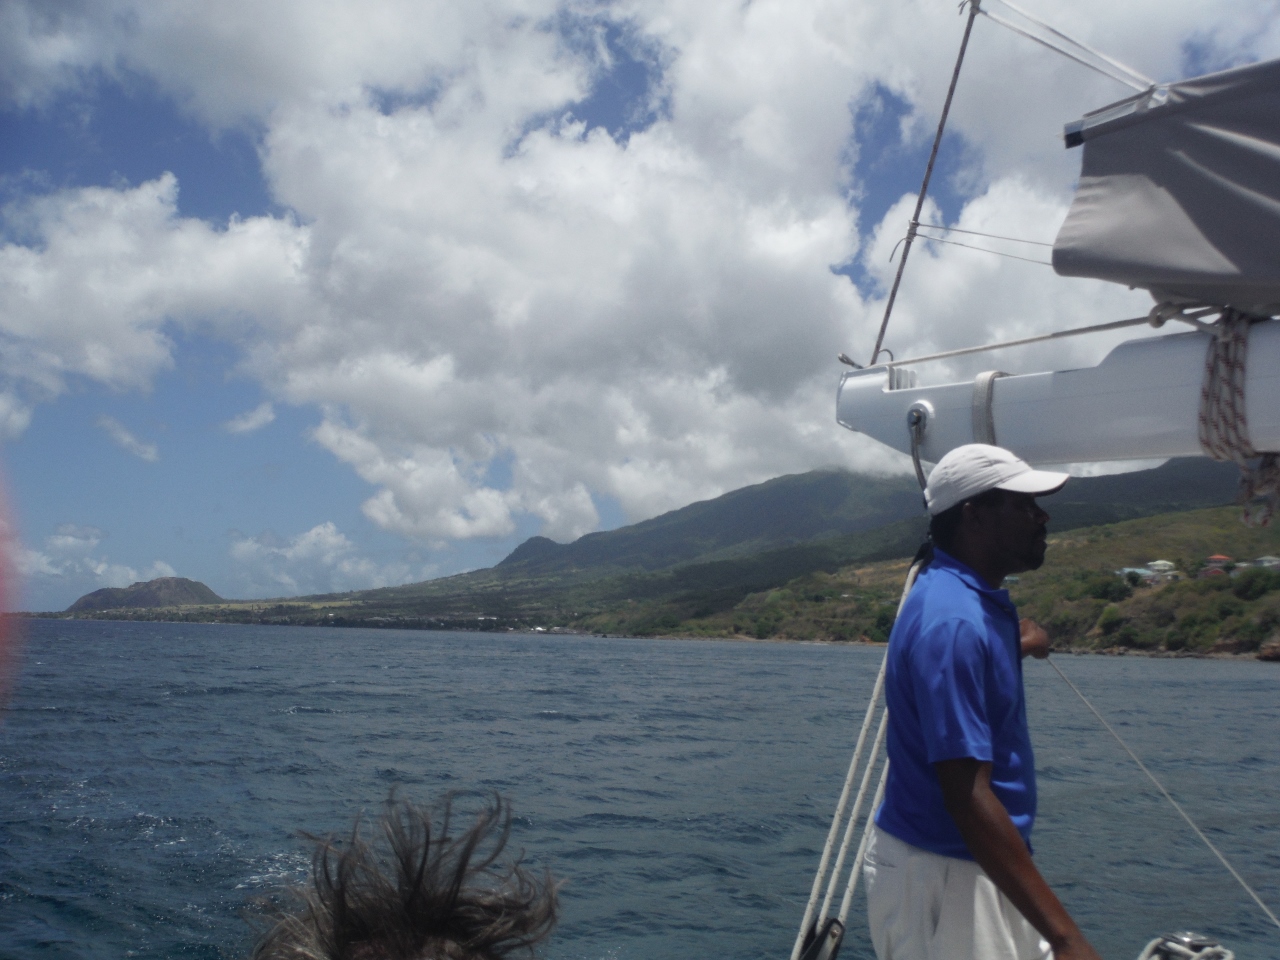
<point>161,592</point>
<point>806,507</point>
<point>1189,483</point>
<point>709,555</point>
<point>706,557</point>
<point>777,513</point>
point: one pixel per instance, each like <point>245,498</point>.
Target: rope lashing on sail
<point>1108,67</point>
<point>1224,420</point>
<point>1160,786</point>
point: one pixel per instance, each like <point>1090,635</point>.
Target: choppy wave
<point>154,778</point>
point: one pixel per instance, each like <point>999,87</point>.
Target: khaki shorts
<point>923,906</point>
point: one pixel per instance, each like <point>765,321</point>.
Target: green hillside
<point>778,513</point>
<point>847,588</point>
<point>792,557</point>
<point>824,504</point>
<point>1083,603</point>
<point>1077,595</point>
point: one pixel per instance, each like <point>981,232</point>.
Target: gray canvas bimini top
<point>1180,192</point>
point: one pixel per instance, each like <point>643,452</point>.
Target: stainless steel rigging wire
<point>981,233</point>
<point>1118,71</point>
<point>1108,66</point>
<point>974,6</point>
<point>1160,786</point>
<point>998,253</point>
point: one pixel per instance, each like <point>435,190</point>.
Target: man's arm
<point>1000,850</point>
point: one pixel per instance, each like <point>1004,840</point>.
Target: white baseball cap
<point>976,468</point>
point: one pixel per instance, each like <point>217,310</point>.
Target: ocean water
<point>154,777</point>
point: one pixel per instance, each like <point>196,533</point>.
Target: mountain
<point>161,592</point>
<point>708,556</point>
<point>777,513</point>
<point>1188,483</point>
<point>806,507</point>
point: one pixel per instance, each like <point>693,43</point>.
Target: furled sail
<point>1180,192</point>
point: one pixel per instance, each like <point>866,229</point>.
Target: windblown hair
<point>421,894</point>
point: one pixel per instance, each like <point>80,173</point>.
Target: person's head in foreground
<point>418,889</point>
<point>983,510</point>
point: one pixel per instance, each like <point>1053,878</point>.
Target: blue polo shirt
<point>954,689</point>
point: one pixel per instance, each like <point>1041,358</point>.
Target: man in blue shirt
<point>949,869</point>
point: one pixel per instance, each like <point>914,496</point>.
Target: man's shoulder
<point>941,595</point>
<point>942,617</point>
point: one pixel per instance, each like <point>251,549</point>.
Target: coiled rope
<point>1224,420</point>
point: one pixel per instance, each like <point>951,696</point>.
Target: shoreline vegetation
<point>847,594</point>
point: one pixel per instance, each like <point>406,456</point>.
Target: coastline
<point>1270,653</point>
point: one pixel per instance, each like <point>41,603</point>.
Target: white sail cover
<point>1180,192</point>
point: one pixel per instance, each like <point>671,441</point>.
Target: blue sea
<point>154,778</point>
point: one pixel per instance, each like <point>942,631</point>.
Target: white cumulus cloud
<point>69,562</point>
<point>320,560</point>
<point>501,313</point>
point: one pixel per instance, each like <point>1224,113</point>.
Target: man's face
<point>1015,529</point>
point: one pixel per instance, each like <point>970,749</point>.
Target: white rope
<point>1224,420</point>
<point>1160,786</point>
<point>916,425</point>
<point>854,764</point>
<point>1118,72</point>
<point>838,818</point>
<point>854,815</point>
<point>862,847</point>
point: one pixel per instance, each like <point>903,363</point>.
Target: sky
<point>299,297</point>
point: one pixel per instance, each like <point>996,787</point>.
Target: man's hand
<point>1001,852</point>
<point>1035,642</point>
